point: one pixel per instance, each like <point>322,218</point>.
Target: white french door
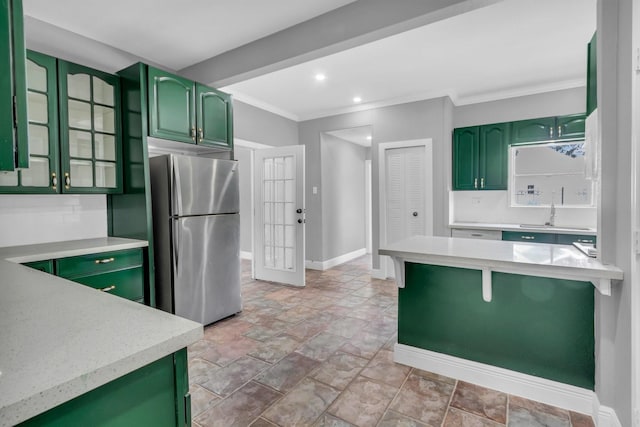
<point>279,215</point>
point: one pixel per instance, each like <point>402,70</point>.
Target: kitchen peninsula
<point>501,309</point>
<point>72,355</point>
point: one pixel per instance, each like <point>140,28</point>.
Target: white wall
<point>243,156</point>
<point>29,219</point>
<point>343,196</point>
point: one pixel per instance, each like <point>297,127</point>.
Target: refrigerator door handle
<point>176,245</point>
<point>176,188</point>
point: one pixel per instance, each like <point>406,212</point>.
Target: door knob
<point>415,214</point>
<point>298,210</point>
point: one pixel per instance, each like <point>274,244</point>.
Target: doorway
<point>406,193</point>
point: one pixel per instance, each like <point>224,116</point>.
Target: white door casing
<point>279,229</point>
<point>406,192</point>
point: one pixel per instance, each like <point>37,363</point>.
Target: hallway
<point>323,356</point>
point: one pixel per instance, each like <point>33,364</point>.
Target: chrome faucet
<point>552,213</point>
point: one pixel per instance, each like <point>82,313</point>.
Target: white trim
<point>246,255</point>
<point>427,143</point>
<point>377,273</point>
<point>237,142</point>
<point>634,268</point>
<point>605,416</point>
<point>325,265</point>
<point>539,389</point>
<point>246,99</point>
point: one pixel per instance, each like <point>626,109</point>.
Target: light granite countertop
<point>60,339</point>
<point>586,231</point>
<point>533,259</point>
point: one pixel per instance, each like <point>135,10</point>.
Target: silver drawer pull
<point>108,288</point>
<point>584,241</point>
<point>105,260</point>
<point>528,237</point>
<point>476,235</point>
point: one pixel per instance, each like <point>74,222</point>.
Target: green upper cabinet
<point>480,157</point>
<point>548,129</point>
<point>185,111</point>
<point>215,119</point>
<point>465,158</point>
<point>592,76</point>
<point>493,159</point>
<point>570,127</point>
<point>533,130</point>
<point>171,107</point>
<point>42,96</point>
<point>90,136</point>
<point>14,151</point>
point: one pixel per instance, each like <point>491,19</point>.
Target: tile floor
<point>323,356</point>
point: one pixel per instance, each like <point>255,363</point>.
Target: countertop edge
<point>516,227</point>
<point>44,251</point>
<point>37,404</point>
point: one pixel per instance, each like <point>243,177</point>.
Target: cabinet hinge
<point>637,64</point>
<point>636,243</point>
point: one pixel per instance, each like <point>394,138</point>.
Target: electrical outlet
<point>475,200</point>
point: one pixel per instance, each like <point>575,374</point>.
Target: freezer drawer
<point>206,267</point>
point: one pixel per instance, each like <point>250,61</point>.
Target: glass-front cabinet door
<point>42,175</point>
<point>90,130</point>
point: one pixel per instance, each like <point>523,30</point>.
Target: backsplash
<point>26,219</point>
<point>493,207</point>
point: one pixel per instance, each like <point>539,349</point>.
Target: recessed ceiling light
<point>320,77</point>
<point>357,99</point>
<point>369,138</point>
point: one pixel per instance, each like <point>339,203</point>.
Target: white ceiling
<point>511,48</point>
<point>173,33</point>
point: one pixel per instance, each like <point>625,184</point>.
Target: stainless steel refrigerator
<point>196,233</point>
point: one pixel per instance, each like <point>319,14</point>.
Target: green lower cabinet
<point>155,395</point>
<point>524,236</point>
<point>128,283</point>
<point>534,325</point>
<point>45,266</point>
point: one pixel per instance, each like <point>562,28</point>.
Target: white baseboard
<point>377,273</point>
<point>606,416</point>
<point>246,255</point>
<point>325,265</point>
<point>539,389</point>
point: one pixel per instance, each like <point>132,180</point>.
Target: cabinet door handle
<point>67,180</point>
<point>105,260</point>
<point>481,182</point>
<point>476,235</point>
<point>200,135</point>
<point>475,183</point>
<point>559,131</point>
<point>193,134</point>
<point>54,180</point>
<point>550,132</point>
<point>108,288</point>
<point>528,237</point>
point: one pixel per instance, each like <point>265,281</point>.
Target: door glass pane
<point>9,179</point>
<point>105,146</point>
<point>81,173</point>
<point>78,86</point>
<point>288,259</point>
<point>102,92</point>
<point>105,174</point>
<point>79,114</point>
<point>38,173</point>
<point>268,169</point>
<point>39,140</point>
<point>37,107</point>
<point>289,167</point>
<point>36,76</point>
<point>80,144</point>
<point>104,119</point>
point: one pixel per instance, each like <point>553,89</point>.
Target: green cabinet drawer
<point>568,239</point>
<point>87,265</point>
<point>46,266</point>
<point>523,236</point>
<point>126,283</point>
